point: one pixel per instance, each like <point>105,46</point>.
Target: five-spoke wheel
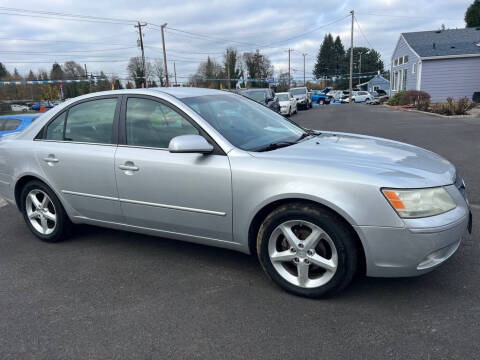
<point>307,249</point>
<point>303,253</point>
<point>43,212</point>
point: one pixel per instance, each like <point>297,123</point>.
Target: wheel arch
<point>25,179</point>
<point>262,213</point>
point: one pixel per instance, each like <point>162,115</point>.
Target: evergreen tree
<point>340,64</point>
<point>472,16</point>
<point>326,59</point>
<point>56,73</point>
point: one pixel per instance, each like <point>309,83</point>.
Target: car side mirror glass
<point>190,144</point>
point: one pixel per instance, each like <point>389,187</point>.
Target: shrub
<point>420,99</point>
<point>395,99</point>
<point>452,107</point>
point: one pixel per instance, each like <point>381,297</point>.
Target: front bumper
<point>284,111</point>
<point>420,246</point>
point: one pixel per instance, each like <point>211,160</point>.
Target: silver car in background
<point>216,168</point>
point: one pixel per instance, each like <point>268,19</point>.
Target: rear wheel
<point>44,214</point>
<point>307,250</point>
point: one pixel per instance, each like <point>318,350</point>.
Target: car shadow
<point>247,268</point>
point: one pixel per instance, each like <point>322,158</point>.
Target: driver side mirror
<point>190,144</point>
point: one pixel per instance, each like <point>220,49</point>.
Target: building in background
<point>444,63</point>
<point>378,82</point>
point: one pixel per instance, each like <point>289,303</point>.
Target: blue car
<point>15,123</point>
<point>321,96</point>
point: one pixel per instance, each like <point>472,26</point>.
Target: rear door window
<point>91,122</point>
<point>55,128</point>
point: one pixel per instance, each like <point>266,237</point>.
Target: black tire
<point>336,229</point>
<point>290,111</point>
<point>63,226</point>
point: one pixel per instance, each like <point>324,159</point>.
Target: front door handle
<point>129,166</point>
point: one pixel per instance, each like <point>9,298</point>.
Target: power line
<point>308,32</point>
<point>406,16</point>
<point>76,17</point>
<point>63,53</point>
<point>361,32</point>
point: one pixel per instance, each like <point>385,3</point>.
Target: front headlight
<point>416,203</point>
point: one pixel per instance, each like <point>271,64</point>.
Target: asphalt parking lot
<point>108,294</point>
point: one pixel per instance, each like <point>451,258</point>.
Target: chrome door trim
<point>165,206</point>
<point>89,195</point>
<point>181,208</point>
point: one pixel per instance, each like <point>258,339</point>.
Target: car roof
<point>184,92</point>
<point>20,117</point>
<point>256,89</point>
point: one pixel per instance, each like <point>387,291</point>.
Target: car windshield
<point>255,95</point>
<point>283,97</point>
<point>244,123</point>
<point>298,91</point>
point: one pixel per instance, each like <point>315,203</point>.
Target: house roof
<point>444,42</point>
<point>376,77</point>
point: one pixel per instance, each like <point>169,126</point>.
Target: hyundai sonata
<point>217,168</point>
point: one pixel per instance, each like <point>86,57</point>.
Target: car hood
<point>284,103</point>
<point>298,97</point>
<point>384,162</point>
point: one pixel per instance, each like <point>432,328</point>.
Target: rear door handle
<point>51,159</point>
<point>129,166</point>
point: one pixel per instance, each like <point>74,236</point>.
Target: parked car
<point>336,95</point>
<point>263,96</point>
<point>47,104</point>
<point>301,94</point>
<point>15,123</point>
<point>19,108</point>
<point>288,104</point>
<point>362,96</point>
<point>320,97</point>
<point>215,168</point>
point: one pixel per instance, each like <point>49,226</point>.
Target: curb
<point>470,116</point>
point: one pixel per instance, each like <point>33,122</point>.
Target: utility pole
<point>351,59</point>
<point>139,26</point>
<point>228,70</point>
<point>360,69</point>
<point>289,50</point>
<point>304,82</point>
<point>164,53</point>
<point>175,72</point>
<point>86,76</point>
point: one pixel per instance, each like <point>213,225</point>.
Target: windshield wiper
<point>275,145</point>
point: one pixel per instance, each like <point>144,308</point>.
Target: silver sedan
<point>216,168</point>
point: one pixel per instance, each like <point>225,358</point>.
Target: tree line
<point>252,68</point>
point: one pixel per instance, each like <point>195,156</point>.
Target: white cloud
<point>247,21</point>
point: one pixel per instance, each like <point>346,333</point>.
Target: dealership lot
<point>106,292</point>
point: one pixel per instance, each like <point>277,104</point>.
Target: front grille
<point>460,184</point>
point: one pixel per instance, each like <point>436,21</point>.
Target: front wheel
<point>307,250</point>
<point>44,214</point>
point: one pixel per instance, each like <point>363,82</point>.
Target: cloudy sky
<point>33,34</point>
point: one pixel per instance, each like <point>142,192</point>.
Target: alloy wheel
<point>41,212</point>
<point>303,253</point>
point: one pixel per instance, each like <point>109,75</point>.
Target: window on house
<point>395,62</point>
<point>404,80</point>
<point>395,81</point>
<point>405,59</point>
<point>400,60</point>
<point>414,68</point>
